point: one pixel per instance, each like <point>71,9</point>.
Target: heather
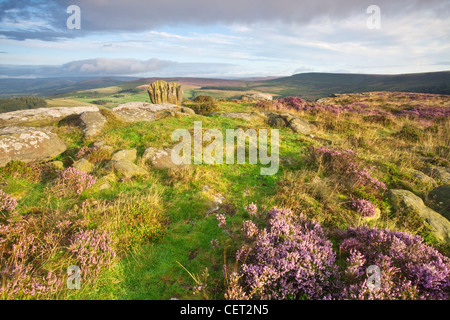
<point>34,248</point>
<point>293,258</point>
<point>7,203</point>
<point>224,231</point>
<point>73,180</point>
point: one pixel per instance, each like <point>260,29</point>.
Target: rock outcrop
<point>122,164</point>
<point>159,158</point>
<point>405,199</point>
<point>279,120</point>
<point>143,111</point>
<point>441,174</point>
<point>92,123</point>
<point>441,199</point>
<point>29,144</point>
<point>42,116</point>
<point>165,92</point>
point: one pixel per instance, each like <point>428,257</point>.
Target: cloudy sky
<point>226,38</point>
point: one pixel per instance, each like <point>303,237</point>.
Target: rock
<point>441,198</point>
<point>164,92</point>
<point>83,165</point>
<point>239,115</point>
<point>258,96</point>
<point>105,182</point>
<point>187,110</point>
<point>440,226</point>
<point>129,155</point>
<point>92,123</point>
<point>277,122</point>
<point>422,177</point>
<point>301,126</point>
<point>125,168</point>
<point>41,116</point>
<point>143,111</point>
<point>439,173</point>
<point>29,144</point>
<point>161,159</point>
<point>98,144</point>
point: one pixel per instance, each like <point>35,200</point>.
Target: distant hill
<point>50,86</point>
<point>317,85</point>
<point>309,86</point>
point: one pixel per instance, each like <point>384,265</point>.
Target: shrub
<point>72,180</point>
<point>410,133</point>
<point>293,259</point>
<point>290,259</point>
<point>7,203</point>
<point>19,169</point>
<point>93,252</point>
<point>347,166</point>
<point>202,108</point>
<point>410,269</point>
<point>38,247</point>
<point>204,98</point>
<point>364,207</point>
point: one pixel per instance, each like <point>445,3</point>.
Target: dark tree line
<point>22,103</point>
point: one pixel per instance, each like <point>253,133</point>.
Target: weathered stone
<point>164,92</point>
<point>187,110</point>
<point>239,115</point>
<point>92,123</point>
<point>441,199</point>
<point>439,173</point>
<point>125,168</point>
<point>258,96</point>
<point>41,116</point>
<point>129,155</point>
<point>161,159</point>
<point>83,165</point>
<point>143,111</point>
<point>422,177</point>
<point>277,121</point>
<point>301,126</point>
<point>440,226</point>
<point>98,144</point>
<point>29,144</point>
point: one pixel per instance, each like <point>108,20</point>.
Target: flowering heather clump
<point>7,203</point>
<point>27,244</point>
<point>410,269</point>
<point>252,209</point>
<point>222,220</point>
<point>75,180</point>
<point>364,207</point>
<point>250,229</point>
<point>85,151</point>
<point>346,164</point>
<point>290,259</point>
<point>93,250</point>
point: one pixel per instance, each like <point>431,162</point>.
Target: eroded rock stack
<point>165,92</point>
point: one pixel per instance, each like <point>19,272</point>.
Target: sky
<point>222,39</point>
